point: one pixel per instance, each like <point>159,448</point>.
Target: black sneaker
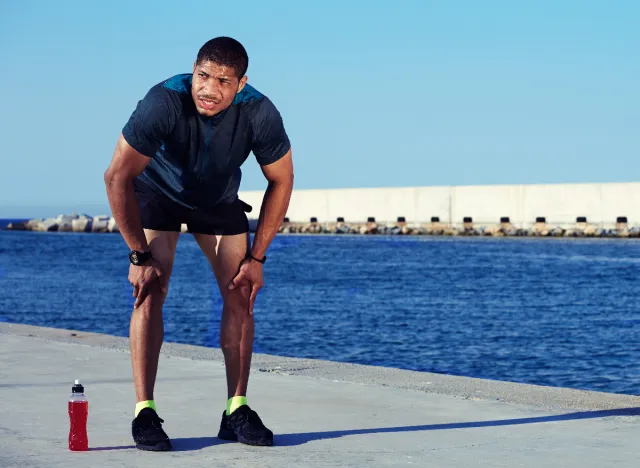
<point>226,433</point>
<point>147,432</point>
<point>245,426</point>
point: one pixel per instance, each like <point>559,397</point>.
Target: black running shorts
<point>160,213</point>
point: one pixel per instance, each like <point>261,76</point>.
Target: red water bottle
<point>78,413</point>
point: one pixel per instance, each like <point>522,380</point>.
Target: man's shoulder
<point>175,89</point>
<point>248,97</point>
<point>169,94</point>
<point>180,84</point>
<point>254,103</point>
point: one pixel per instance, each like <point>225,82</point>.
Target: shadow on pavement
<point>303,438</point>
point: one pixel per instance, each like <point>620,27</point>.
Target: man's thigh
<point>224,254</point>
<point>163,247</point>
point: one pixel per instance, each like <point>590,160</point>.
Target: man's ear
<point>195,64</point>
<point>243,81</point>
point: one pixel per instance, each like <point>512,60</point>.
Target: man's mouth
<point>207,103</point>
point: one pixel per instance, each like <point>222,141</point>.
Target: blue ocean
<point>558,312</point>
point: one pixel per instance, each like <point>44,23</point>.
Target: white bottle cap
<point>76,382</point>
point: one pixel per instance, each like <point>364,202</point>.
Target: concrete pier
<point>560,204</point>
<point>323,413</point>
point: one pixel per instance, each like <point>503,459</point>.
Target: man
<point>178,161</point>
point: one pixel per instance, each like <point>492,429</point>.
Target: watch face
<point>134,258</point>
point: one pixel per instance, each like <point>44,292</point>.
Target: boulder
<point>401,227</point>
<point>82,224</point>
<point>467,227</point>
<point>46,225</point>
<point>437,228</point>
<point>100,223</point>
<point>582,228</point>
<point>32,223</point>
<point>622,226</point>
<point>506,227</point>
<point>313,227</point>
<point>540,228</point>
<point>112,226</point>
<point>65,222</point>
<point>371,227</point>
<point>66,218</point>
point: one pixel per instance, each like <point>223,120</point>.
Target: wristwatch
<point>139,258</point>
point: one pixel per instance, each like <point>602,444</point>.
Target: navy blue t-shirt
<point>195,160</point>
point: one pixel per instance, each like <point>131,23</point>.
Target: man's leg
<point>146,331</point>
<point>241,424</point>
<point>237,327</point>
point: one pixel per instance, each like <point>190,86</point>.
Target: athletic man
<point>178,161</point>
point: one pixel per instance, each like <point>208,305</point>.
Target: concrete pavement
<point>323,413</point>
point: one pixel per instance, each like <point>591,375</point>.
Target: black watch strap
<point>139,258</point>
<point>264,259</point>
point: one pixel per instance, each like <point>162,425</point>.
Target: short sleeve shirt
<point>195,160</point>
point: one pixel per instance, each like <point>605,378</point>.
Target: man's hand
<point>249,279</point>
<point>142,277</point>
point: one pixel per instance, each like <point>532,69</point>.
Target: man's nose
<point>211,89</point>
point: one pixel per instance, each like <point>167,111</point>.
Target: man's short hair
<point>225,51</point>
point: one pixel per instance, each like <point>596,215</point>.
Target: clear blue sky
<point>373,93</point>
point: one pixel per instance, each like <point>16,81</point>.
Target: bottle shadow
<point>117,447</point>
<point>180,444</point>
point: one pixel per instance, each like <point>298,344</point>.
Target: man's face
<point>214,87</point>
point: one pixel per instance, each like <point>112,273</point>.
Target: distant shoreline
<point>505,228</point>
<point>381,237</point>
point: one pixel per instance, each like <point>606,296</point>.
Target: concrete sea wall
<point>560,204</point>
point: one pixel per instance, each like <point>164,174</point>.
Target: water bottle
<point>78,413</point>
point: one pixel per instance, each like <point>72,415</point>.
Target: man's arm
<point>275,203</point>
<point>274,207</point>
<point>270,143</point>
<point>126,165</point>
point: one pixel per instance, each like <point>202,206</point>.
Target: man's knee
<point>153,302</point>
<point>236,301</point>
